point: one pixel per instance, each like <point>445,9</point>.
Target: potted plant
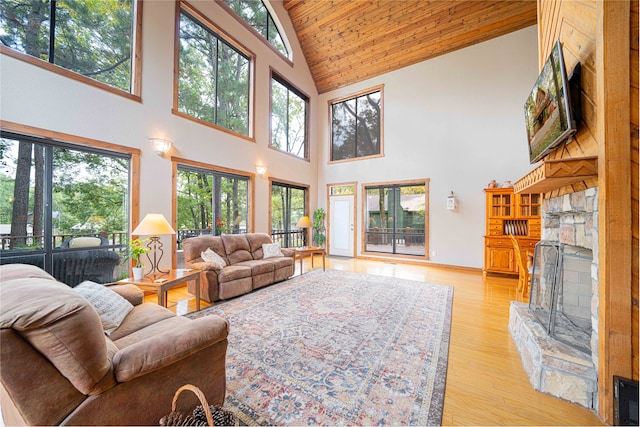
<point>319,237</point>
<point>136,250</point>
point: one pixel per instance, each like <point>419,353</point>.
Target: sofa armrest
<point>205,266</point>
<point>290,252</point>
<point>130,292</point>
<point>169,347</point>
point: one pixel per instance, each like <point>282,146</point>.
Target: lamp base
<point>155,247</point>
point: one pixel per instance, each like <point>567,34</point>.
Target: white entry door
<point>341,226</point>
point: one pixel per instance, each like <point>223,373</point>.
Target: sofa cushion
<point>271,250</point>
<point>234,272</point>
<point>61,325</point>
<point>193,247</point>
<point>111,307</point>
<point>140,317</point>
<point>23,271</point>
<point>84,242</point>
<point>256,240</point>
<point>152,328</point>
<point>209,256</point>
<point>258,266</point>
<point>281,262</point>
<point>236,247</point>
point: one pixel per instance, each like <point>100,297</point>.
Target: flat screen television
<point>547,110</point>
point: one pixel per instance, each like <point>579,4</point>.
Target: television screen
<point>547,110</point>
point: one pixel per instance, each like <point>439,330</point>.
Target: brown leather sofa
<point>246,268</point>
<point>57,365</point>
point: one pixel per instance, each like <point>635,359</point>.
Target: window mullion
<point>52,31</point>
<point>217,83</point>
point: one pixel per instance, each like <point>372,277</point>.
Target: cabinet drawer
<point>499,243</point>
<point>495,230</point>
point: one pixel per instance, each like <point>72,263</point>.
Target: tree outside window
<point>288,205</point>
<point>288,118</point>
<point>213,81</point>
<point>356,125</point>
<point>91,38</point>
<point>256,14</point>
<point>211,202</point>
<point>54,193</point>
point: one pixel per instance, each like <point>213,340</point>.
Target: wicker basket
<point>215,415</point>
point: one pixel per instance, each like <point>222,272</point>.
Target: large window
<point>396,218</point>
<point>288,205</point>
<point>64,208</point>
<point>214,76</point>
<point>288,118</point>
<point>356,126</point>
<point>211,202</point>
<point>256,14</point>
<point>92,38</point>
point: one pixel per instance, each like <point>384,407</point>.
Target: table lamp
<point>304,222</point>
<point>154,225</point>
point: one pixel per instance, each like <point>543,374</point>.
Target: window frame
<point>355,96</point>
<point>273,75</point>
<point>227,38</point>
<point>136,62</point>
<point>288,58</point>
<point>177,162</point>
<point>74,142</point>
<point>288,184</point>
<point>407,183</point>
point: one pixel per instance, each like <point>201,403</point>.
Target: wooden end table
<point>163,282</point>
<point>303,252</point>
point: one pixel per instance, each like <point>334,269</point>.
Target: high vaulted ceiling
<point>347,41</point>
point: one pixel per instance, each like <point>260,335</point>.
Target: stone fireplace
<point>557,332</point>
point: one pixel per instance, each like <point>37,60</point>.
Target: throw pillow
<point>271,250</point>
<point>111,307</point>
<point>84,242</point>
<point>211,256</point>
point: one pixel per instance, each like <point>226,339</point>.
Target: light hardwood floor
<point>486,384</point>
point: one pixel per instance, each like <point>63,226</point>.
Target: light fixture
<point>261,170</point>
<point>154,225</point>
<point>160,146</point>
<point>304,222</point>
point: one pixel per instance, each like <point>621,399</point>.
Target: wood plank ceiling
<point>347,41</point>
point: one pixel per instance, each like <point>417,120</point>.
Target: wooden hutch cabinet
<point>509,213</point>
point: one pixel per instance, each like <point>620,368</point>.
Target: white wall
<point>35,97</point>
<point>457,120</point>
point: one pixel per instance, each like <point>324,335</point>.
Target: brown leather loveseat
<point>59,366</point>
<point>245,266</point>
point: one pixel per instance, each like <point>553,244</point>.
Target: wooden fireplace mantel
<point>553,174</point>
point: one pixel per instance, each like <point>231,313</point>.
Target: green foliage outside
<point>92,37</point>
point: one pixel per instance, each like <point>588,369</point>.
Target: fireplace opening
<point>561,292</point>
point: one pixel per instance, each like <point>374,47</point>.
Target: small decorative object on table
<point>203,415</point>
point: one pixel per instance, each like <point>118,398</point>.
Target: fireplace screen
<point>561,292</point>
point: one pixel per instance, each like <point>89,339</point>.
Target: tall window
<point>256,14</point>
<point>288,205</point>
<point>64,209</point>
<point>92,38</point>
<point>396,218</point>
<point>288,118</point>
<point>356,126</point>
<point>211,202</point>
<point>213,80</point>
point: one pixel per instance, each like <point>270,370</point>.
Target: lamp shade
<point>304,222</point>
<point>153,225</point>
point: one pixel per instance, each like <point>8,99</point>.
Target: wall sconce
<point>451,202</point>
<point>261,170</point>
<point>160,146</point>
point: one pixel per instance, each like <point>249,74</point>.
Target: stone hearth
<point>554,367</point>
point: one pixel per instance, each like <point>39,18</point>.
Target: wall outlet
<point>434,253</point>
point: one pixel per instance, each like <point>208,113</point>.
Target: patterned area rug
<point>338,348</point>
